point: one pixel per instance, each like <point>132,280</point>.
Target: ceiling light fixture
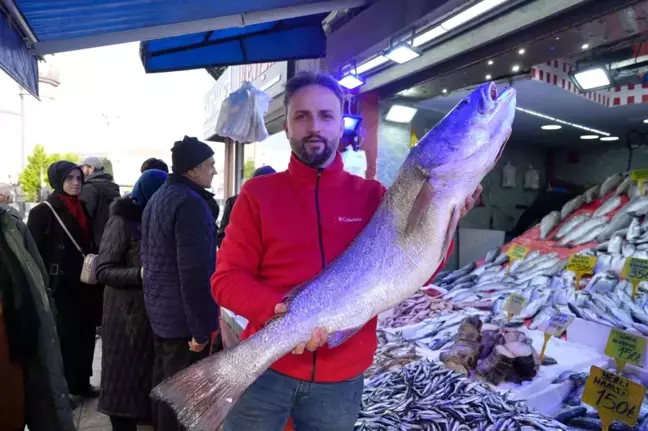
<point>610,138</point>
<point>559,121</point>
<point>646,121</point>
<point>515,68</point>
<point>402,53</point>
<point>372,64</point>
<point>585,46</point>
<point>594,78</point>
<point>589,137</point>
<point>401,114</point>
<point>521,51</point>
<point>351,81</point>
<point>488,77</point>
<point>551,127</point>
<point>444,91</point>
<point>428,35</point>
<point>490,62</point>
<point>471,13</point>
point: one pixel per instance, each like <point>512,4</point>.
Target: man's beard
<point>314,160</point>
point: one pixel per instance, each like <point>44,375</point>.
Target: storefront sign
<point>613,396</point>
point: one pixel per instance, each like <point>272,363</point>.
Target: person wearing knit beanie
<point>189,153</point>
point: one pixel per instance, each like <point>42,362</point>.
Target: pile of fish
<point>415,309</point>
<point>393,353</point>
<point>578,415</point>
<point>427,396</point>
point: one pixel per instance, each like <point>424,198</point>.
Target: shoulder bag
<point>88,272</point>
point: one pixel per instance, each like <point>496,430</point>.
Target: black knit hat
<point>189,153</point>
<point>57,172</point>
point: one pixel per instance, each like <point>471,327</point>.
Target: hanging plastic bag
<point>242,115</point>
<point>508,175</point>
<point>532,179</point>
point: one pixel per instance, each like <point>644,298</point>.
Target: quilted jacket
<point>179,257</point>
<point>127,339</point>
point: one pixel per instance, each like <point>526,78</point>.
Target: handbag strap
<point>65,228</point>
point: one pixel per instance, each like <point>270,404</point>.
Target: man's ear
<point>286,128</point>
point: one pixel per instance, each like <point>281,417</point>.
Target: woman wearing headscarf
<point>127,339</point>
<point>78,305</point>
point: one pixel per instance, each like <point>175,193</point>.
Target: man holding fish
<point>266,253</point>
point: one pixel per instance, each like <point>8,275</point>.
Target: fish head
<point>470,138</point>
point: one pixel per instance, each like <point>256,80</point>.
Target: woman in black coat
<point>78,305</point>
<point>127,339</point>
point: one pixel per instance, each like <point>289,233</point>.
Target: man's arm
<point>90,195</point>
<point>193,246</point>
<point>227,211</point>
<point>234,284</point>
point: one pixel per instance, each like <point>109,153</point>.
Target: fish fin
<point>421,204</point>
<point>452,227</point>
<point>337,338</point>
<point>202,395</point>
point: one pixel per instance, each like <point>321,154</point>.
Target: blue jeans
<point>268,403</point>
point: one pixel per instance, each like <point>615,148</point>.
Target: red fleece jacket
<point>272,244</point>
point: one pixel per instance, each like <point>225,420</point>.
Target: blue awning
<point>14,58</point>
<point>289,39</point>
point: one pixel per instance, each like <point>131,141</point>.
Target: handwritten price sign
<point>514,304</point>
<point>581,264</point>
<point>636,270</point>
<point>556,324</point>
<point>640,174</point>
<point>625,347</point>
<point>517,252</point>
<point>613,396</point>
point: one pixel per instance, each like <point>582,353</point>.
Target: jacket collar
<point>181,179</point>
<point>331,175</point>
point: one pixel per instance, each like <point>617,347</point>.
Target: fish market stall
<point>461,323</point>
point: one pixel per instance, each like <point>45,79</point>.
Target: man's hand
<point>470,202</point>
<point>319,337</point>
<point>195,346</point>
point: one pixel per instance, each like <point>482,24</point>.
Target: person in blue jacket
<point>178,253</point>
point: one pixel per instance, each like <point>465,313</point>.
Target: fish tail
<point>203,394</point>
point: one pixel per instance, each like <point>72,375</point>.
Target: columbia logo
<point>349,219</point>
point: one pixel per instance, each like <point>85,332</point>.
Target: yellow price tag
<point>581,265</point>
<point>640,176</point>
<point>515,303</point>
<point>556,324</point>
<point>636,270</point>
<point>613,396</point>
<point>517,252</point>
<point>625,347</point>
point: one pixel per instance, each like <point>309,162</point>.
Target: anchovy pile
<point>427,396</point>
<point>415,309</point>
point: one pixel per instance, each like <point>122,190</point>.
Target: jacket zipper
<point>321,246</point>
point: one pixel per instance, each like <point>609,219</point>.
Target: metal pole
<point>22,130</point>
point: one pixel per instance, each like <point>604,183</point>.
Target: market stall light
<point>488,77</point>
<point>515,68</point>
<point>594,78</point>
<point>402,53</point>
<point>351,81</point>
<point>400,114</point>
<point>351,124</point>
<point>559,121</point>
<point>471,13</point>
<point>490,62</point>
<point>585,46</point>
<point>551,127</point>
<point>444,91</point>
<point>429,35</point>
<point>372,64</point>
<point>646,121</point>
<point>610,138</point>
<point>521,51</point>
<point>589,137</point>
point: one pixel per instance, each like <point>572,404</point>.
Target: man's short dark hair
<point>154,163</point>
<point>306,78</point>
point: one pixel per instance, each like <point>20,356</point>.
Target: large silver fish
<point>398,251</point>
<point>610,183</point>
<point>571,224</point>
<point>572,206</point>
<point>609,206</point>
<point>548,223</point>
